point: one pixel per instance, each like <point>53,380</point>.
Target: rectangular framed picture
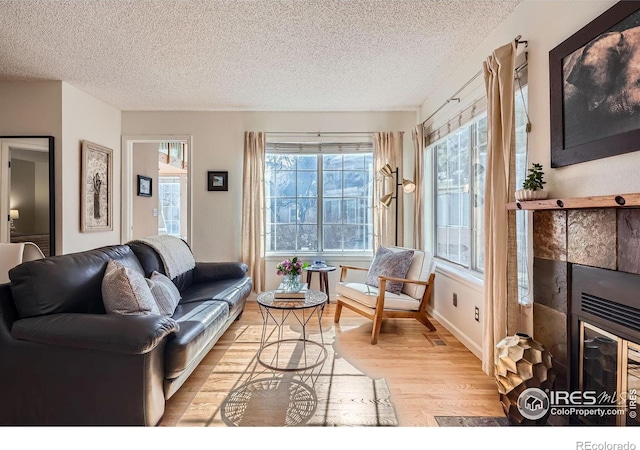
<point>145,186</point>
<point>218,181</point>
<point>96,190</point>
<point>595,94</point>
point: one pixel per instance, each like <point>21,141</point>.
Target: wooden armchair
<point>377,304</point>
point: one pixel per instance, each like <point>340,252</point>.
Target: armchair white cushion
<point>12,254</point>
<point>368,296</point>
<point>375,304</point>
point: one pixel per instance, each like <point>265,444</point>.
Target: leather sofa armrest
<point>214,271</point>
<point>105,332</point>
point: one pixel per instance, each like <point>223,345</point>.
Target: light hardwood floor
<point>428,374</point>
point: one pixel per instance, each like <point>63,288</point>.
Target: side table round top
<point>320,269</point>
<point>311,299</point>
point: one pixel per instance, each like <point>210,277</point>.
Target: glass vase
<point>291,283</point>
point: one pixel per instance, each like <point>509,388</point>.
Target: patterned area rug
<point>333,393</point>
<point>470,421</point>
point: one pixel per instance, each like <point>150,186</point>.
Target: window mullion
<point>473,141</point>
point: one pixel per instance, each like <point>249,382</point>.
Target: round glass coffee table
<point>287,324</point>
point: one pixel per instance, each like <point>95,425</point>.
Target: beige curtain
<point>387,149</point>
<point>500,271</point>
<point>418,194</point>
<point>253,207</point>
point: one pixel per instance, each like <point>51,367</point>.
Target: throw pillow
<point>125,291</point>
<point>165,293</point>
<point>390,264</point>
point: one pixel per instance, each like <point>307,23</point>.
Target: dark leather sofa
<point>63,361</point>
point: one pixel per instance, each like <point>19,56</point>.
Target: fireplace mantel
<point>602,201</point>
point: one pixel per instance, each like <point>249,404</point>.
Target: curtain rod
<point>454,98</point>
<point>317,133</point>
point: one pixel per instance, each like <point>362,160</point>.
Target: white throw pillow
<point>125,291</point>
<point>166,294</point>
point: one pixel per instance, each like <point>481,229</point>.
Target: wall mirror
<point>27,203</point>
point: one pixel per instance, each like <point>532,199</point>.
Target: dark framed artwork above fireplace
<point>595,97</point>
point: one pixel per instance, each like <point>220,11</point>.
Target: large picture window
<point>460,160</point>
<point>319,202</point>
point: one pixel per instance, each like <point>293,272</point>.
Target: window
<point>169,201</point>
<point>319,202</point>
<point>522,217</point>
<point>460,160</point>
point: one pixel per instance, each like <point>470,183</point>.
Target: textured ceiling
<point>291,55</point>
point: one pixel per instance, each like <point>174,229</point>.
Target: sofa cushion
<point>66,283</point>
<point>390,264</point>
<point>232,291</point>
<point>125,291</point>
<point>368,296</point>
<point>165,293</point>
<point>199,324</point>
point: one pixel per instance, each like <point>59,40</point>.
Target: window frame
<point>320,206</point>
<point>524,292</point>
<point>471,127</point>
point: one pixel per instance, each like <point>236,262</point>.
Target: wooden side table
<point>324,278</point>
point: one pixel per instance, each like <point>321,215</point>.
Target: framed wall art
<point>595,94</point>
<point>145,186</point>
<point>96,190</point>
<point>218,181</point>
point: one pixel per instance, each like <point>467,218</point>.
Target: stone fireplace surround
<point>607,238</point>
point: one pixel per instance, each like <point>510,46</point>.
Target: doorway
<point>26,181</point>
<point>156,191</point>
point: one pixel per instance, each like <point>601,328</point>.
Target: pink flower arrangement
<point>291,266</point>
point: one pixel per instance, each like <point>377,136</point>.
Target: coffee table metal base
<point>280,348</point>
<point>315,362</point>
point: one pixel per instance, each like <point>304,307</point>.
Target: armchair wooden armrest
<point>404,280</point>
<point>343,273</point>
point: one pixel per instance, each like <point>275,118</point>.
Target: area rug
<point>471,421</point>
<point>334,393</point>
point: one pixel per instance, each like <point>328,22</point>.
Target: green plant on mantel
<point>534,180</point>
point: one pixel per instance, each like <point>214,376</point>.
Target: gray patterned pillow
<point>164,292</point>
<point>125,291</point>
<point>389,263</point>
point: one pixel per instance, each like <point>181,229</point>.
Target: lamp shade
<point>14,214</point>
<point>386,171</point>
<point>408,186</point>
<point>386,200</point>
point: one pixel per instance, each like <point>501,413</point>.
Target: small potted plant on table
<point>533,185</point>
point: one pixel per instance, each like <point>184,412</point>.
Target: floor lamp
<point>408,186</point>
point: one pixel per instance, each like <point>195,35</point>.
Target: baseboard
<point>459,334</point>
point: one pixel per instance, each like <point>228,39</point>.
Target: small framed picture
<point>218,181</point>
<point>144,186</point>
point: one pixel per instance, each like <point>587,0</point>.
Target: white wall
<point>544,24</point>
<point>86,118</point>
<point>145,162</point>
<point>218,141</point>
<point>33,108</point>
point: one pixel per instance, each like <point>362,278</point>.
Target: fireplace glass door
<point>599,370</point>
